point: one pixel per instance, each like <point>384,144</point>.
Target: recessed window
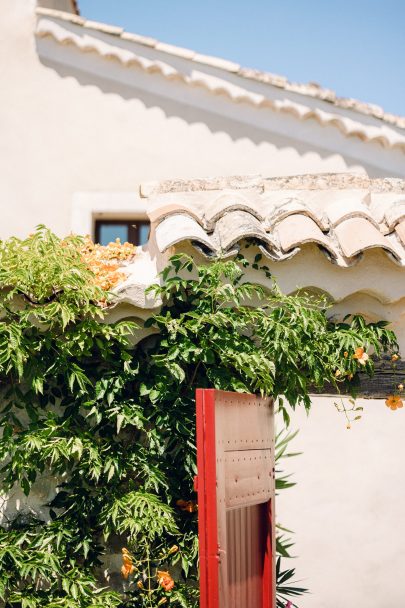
<point>131,231</point>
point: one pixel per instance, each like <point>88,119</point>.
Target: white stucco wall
<point>348,507</point>
<point>63,132</point>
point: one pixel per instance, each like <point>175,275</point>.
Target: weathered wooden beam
<point>385,381</point>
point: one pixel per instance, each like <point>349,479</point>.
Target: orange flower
<point>187,505</point>
<point>395,357</point>
<point>127,565</point>
<point>345,354</point>
<point>361,356</point>
<point>165,580</point>
<point>394,402</point>
<point>106,261</point>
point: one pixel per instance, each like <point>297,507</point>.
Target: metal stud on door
<point>235,484</point>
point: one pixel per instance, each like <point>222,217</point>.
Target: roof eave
<point>309,90</point>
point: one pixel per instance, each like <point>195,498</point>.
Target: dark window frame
<point>133,225</point>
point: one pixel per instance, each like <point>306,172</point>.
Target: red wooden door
<point>235,484</point>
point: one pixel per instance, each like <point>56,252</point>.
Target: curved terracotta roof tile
<point>173,208</point>
<point>233,201</point>
<point>400,230</point>
<point>347,208</point>
<point>238,225</point>
<point>180,227</point>
<point>276,255</point>
<point>343,220</point>
<point>298,229</point>
<point>395,213</point>
<point>52,24</point>
<point>357,234</point>
<point>310,89</point>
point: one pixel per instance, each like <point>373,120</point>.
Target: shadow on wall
<point>217,124</point>
<point>187,68</point>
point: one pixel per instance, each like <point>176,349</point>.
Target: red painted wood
<point>235,484</point>
<point>269,589</point>
<point>207,508</point>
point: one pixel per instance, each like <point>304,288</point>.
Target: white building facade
<point>90,114</point>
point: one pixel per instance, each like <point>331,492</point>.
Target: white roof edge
<point>307,90</point>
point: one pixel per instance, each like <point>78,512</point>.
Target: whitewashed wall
<point>63,131</point>
<point>348,507</point>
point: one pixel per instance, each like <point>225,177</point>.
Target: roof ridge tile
<point>343,219</point>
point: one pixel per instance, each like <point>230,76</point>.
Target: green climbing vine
<point>111,424</point>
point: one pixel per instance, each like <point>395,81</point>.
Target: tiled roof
<point>343,214</point>
<point>328,116</point>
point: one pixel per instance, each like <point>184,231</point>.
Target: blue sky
<point>355,47</point>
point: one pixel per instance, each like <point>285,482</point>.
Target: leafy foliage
<point>286,346</point>
<point>286,586</point>
<point>114,423</point>
<point>286,590</point>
